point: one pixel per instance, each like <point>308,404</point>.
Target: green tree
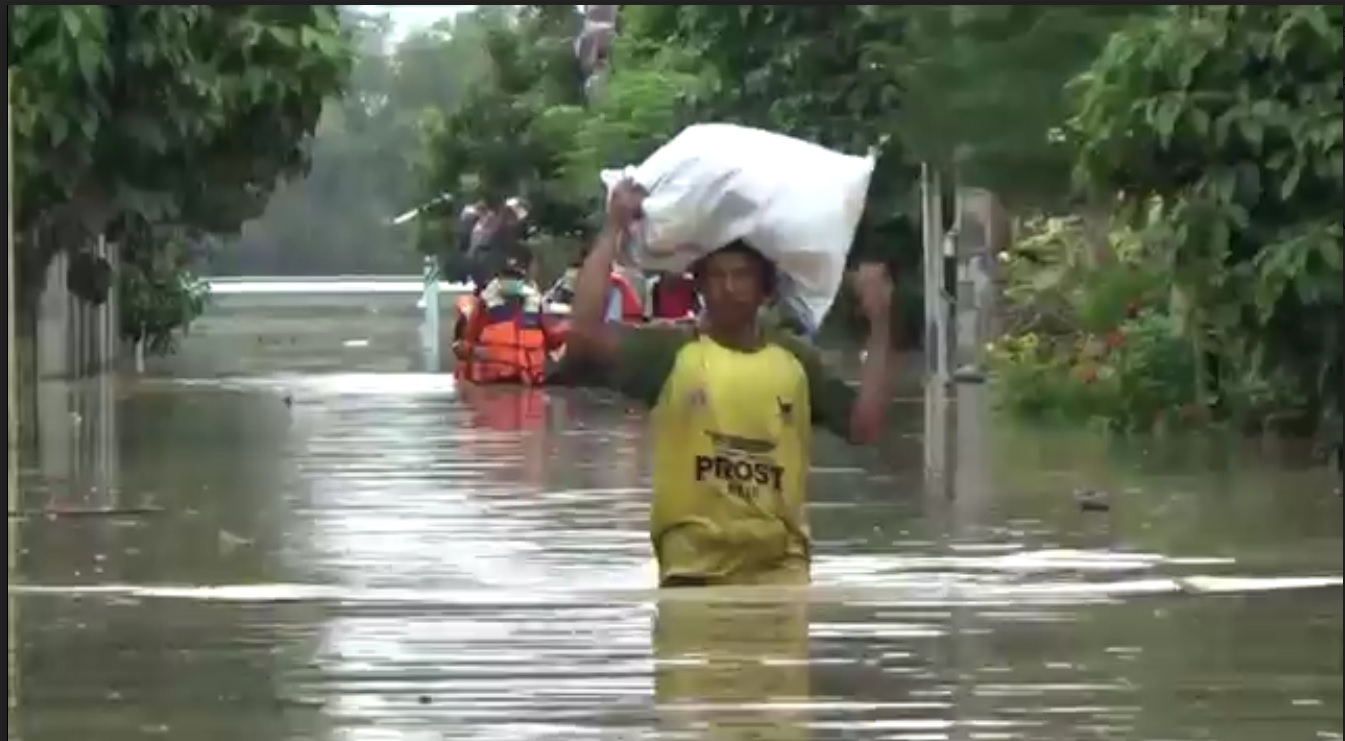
<point>981,90</point>
<point>646,97</point>
<point>1224,123</point>
<point>159,292</point>
<point>513,132</point>
<point>182,115</point>
<point>366,154</point>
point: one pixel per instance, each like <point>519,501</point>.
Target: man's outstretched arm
<point>857,416</point>
<point>869,414</point>
<point>635,361</point>
<point>873,288</point>
<point>592,337</point>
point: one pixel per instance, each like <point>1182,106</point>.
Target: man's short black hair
<point>768,270</point>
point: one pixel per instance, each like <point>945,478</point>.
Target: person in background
<point>500,335</point>
<point>673,298</point>
<point>733,406</point>
<point>623,302</point>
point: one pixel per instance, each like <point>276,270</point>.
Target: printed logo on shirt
<point>745,466</point>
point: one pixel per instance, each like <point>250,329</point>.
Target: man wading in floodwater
<point>733,406</point>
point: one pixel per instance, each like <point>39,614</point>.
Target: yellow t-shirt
<point>731,438</point>
<point>732,433</point>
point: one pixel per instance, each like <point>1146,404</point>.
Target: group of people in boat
<point>510,330</point>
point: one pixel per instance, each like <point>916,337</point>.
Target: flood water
<point>352,550</point>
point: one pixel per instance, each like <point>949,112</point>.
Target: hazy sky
<point>411,17</point>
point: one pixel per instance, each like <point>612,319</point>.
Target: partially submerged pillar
<point>936,327</point>
<point>12,311</point>
<point>936,299</point>
<point>14,499</point>
<point>430,324</point>
<point>980,233</point>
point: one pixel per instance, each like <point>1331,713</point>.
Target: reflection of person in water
<point>733,670</point>
<point>509,409</point>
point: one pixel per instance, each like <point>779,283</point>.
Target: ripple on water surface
<point>396,558</point>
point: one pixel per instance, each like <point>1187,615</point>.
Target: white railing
<point>410,285</point>
<point>425,292</point>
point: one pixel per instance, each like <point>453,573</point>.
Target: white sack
<point>796,202</point>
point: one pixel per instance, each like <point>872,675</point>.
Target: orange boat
<point>516,340</point>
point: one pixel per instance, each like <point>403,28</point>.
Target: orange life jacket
<point>511,348</point>
<point>632,308</point>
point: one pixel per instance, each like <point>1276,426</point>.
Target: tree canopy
<point>177,118</point>
<point>365,153</point>
<point>1221,126</point>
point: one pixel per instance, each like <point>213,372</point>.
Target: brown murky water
<point>380,556</point>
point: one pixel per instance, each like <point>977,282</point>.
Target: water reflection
<point>727,669</point>
<point>71,434</point>
<point>15,544</point>
<point>391,556</point>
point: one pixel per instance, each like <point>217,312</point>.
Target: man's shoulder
<point>801,350</point>
<point>645,358</point>
<point>658,338</point>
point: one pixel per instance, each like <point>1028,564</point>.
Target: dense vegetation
<point>365,157</point>
<point>1174,172</point>
<point>157,125</point>
<point>1214,133</point>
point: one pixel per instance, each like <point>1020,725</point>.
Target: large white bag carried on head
<point>796,202</point>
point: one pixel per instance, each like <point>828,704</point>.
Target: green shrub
<point>1095,333</point>
<point>1089,337</point>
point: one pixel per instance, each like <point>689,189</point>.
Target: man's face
<point>731,284</point>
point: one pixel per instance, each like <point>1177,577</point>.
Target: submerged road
<point>320,554</point>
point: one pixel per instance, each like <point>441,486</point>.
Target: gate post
<point>430,300</point>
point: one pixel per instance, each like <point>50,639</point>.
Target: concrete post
<point>15,501</point>
<point>108,324</point>
<point>431,320</point>
<point>13,344</point>
<point>981,228</point>
<point>936,302</point>
<point>936,328</point>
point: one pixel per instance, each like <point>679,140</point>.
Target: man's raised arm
<point>592,337</point>
<point>634,361</point>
